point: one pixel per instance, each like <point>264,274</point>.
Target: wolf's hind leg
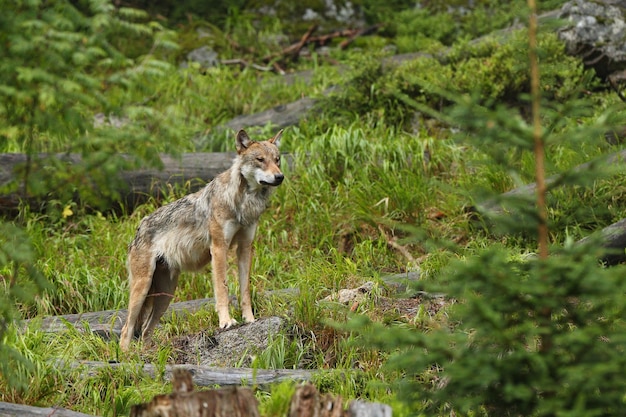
<point>164,282</point>
<point>140,271</point>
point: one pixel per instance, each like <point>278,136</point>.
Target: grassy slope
<point>327,228</point>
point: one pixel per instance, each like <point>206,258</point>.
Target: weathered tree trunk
<point>185,402</point>
<point>110,322</point>
<point>195,169</point>
<point>308,402</point>
<point>613,240</point>
<point>493,208</point>
<point>204,376</point>
<point>13,410</point>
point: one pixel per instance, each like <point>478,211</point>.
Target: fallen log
<point>204,376</point>
<point>192,170</point>
<point>109,322</point>
<point>184,401</point>
<point>492,208</point>
<point>613,240</point>
<point>12,410</point>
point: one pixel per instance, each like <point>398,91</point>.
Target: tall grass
<point>352,190</point>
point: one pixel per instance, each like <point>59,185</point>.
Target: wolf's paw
<point>226,324</point>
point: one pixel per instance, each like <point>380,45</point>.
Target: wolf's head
<point>260,161</point>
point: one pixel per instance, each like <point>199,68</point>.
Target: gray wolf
<point>187,234</point>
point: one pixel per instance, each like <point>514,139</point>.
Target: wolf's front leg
<point>244,260</point>
<point>219,266</point>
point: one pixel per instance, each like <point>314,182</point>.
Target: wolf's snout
<point>278,179</point>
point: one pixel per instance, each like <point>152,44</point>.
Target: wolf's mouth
<point>273,184</point>
<point>278,179</point>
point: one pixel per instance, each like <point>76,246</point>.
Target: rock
<point>231,347</point>
<point>597,33</point>
<point>349,296</point>
<point>205,56</point>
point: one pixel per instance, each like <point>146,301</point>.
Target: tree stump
<point>185,402</point>
<point>308,402</point>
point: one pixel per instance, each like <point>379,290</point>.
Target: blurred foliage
<point>20,282</point>
<point>524,336</point>
<point>59,70</point>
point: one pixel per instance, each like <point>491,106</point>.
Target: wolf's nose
<point>278,178</point>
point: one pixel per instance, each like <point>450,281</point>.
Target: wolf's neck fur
<point>245,202</point>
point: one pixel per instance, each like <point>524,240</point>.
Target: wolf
<point>199,228</point>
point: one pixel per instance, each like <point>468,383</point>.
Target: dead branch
<point>392,242</point>
<point>244,64</point>
<point>359,33</point>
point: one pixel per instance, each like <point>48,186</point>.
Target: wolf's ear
<point>243,141</point>
<point>276,139</point>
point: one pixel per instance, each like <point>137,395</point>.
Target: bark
<point>307,401</point>
<point>194,169</point>
<point>185,402</point>
<point>240,402</point>
<point>493,208</point>
<point>613,242</point>
<point>12,410</point>
<point>203,376</point>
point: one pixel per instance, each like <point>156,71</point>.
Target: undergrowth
<point>377,187</point>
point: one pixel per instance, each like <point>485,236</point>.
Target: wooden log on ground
<point>195,169</point>
<point>185,402</point>
<point>204,376</point>
<point>307,401</point>
<point>12,410</point>
<point>613,239</point>
<point>110,322</point>
<point>493,208</point>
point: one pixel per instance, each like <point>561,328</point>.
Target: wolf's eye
<point>260,159</point>
<point>278,161</point>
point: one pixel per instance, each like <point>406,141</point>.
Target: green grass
<point>358,182</point>
<point>347,185</point>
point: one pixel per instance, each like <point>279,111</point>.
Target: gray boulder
<point>597,33</point>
